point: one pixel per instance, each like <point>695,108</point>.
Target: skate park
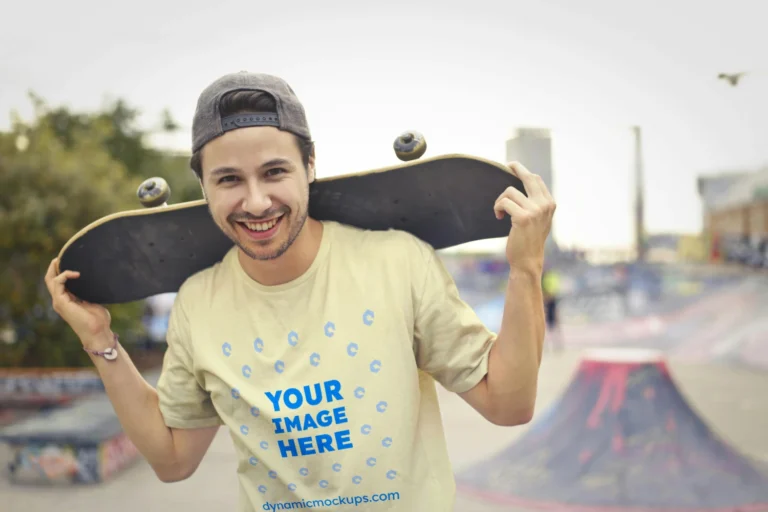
<point>650,398</point>
<point>632,414</point>
<point>647,123</point>
<point>641,417</point>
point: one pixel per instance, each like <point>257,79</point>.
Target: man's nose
<point>256,200</point>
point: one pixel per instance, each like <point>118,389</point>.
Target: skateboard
<point>444,200</point>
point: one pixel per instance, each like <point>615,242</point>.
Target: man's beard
<point>292,235</point>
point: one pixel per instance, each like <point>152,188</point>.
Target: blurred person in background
<point>550,286</point>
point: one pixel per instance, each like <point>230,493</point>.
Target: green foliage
<point>58,173</point>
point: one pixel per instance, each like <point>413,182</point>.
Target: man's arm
<point>174,454</point>
<point>507,393</point>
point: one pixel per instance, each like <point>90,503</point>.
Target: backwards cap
<point>208,124</point>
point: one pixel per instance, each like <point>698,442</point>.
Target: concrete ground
<point>733,400</point>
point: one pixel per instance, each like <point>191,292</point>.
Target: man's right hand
<point>91,322</point>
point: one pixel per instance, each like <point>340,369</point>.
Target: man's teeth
<point>261,226</point>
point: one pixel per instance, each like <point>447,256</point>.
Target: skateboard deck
<point>445,201</point>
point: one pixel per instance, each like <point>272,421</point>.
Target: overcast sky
<point>464,73</point>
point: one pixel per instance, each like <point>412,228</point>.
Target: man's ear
<point>311,168</point>
<point>202,189</point>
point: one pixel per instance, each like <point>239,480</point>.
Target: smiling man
<point>318,344</point>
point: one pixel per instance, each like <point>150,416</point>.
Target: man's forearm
<point>515,358</point>
<point>135,402</point>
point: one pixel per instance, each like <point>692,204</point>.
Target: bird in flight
<point>733,78</point>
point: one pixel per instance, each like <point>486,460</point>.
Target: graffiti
<point>50,463</point>
<point>52,385</point>
<point>116,454</point>
<point>620,435</point>
<point>87,465</point>
<point>83,464</point>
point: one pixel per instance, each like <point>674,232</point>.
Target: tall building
<point>532,147</point>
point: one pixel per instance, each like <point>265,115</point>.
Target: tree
<point>58,173</point>
<point>115,127</point>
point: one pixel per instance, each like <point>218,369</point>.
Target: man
<point>550,285</point>
<point>317,344</point>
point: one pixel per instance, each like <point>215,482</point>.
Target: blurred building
<point>735,210</point>
<point>674,248</point>
<point>533,148</point>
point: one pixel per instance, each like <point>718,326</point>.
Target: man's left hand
<point>531,219</point>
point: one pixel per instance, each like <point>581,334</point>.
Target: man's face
<point>257,189</point>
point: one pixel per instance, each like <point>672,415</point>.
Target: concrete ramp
<point>83,443</point>
<point>621,437</point>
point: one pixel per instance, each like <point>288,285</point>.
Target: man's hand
<point>507,394</point>
<point>91,322</point>
<point>531,220</point>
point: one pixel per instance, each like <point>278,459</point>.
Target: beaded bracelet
<point>110,354</point>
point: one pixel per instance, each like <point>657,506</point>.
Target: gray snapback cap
<point>208,123</point>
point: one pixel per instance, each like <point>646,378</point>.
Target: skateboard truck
<point>154,192</point>
<point>410,145</point>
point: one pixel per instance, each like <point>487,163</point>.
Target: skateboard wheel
<point>153,192</point>
<point>410,145</point>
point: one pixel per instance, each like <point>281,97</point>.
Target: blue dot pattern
<point>352,350</point>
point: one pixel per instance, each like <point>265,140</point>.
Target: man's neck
<point>291,264</point>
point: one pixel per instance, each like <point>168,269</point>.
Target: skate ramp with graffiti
<point>622,436</point>
<point>79,443</point>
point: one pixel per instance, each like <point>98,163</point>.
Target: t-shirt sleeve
<point>451,342</point>
<point>183,401</point>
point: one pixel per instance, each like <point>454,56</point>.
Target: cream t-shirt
<point>326,382</point>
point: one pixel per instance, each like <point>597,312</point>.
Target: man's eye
<point>275,171</point>
<point>227,179</point>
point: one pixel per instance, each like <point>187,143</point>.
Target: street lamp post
<point>640,245</point>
